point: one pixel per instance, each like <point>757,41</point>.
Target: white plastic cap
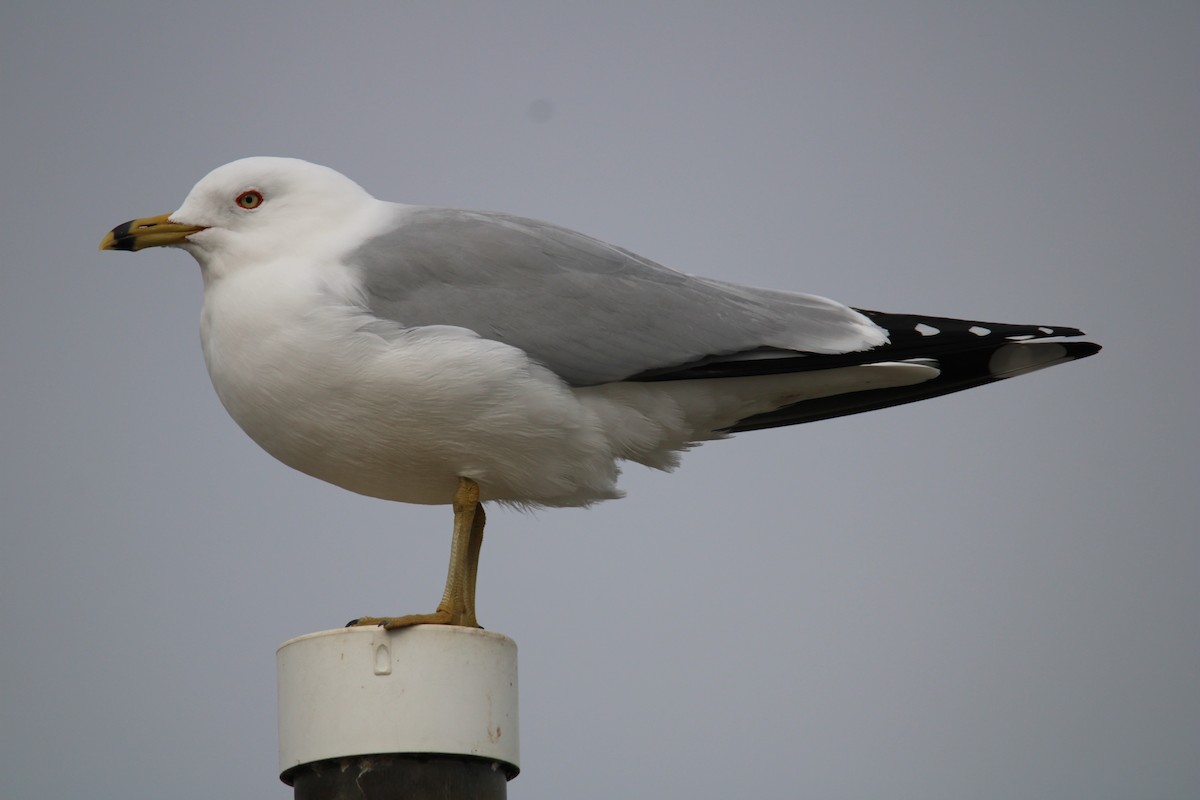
<point>424,689</point>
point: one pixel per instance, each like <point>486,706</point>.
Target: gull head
<point>252,210</point>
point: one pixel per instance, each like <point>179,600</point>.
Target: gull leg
<point>458,599</point>
<point>472,568</point>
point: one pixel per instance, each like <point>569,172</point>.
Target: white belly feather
<point>397,417</point>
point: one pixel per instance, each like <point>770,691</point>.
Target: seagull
<point>449,356</point>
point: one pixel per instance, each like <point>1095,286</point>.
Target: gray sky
<point>991,595</point>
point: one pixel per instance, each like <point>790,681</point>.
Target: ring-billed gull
<point>434,355</point>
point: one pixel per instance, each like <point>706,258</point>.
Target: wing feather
<point>591,312</point>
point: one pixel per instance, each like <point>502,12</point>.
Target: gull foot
<point>395,623</point>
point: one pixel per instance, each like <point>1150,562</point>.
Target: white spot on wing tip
<point>1046,330</point>
<point>926,330</point>
<point>979,330</point>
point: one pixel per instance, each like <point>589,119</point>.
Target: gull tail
<point>966,353</point>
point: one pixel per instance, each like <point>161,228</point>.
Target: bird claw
<point>439,617</point>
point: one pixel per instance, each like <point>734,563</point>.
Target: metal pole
<point>396,777</point>
<point>423,712</point>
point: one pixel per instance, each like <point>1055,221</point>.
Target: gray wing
<point>591,312</point>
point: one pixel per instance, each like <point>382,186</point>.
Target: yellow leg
<point>458,600</point>
<point>472,568</point>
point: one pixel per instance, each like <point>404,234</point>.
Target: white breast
<point>399,416</point>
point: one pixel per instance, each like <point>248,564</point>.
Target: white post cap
<point>425,689</point>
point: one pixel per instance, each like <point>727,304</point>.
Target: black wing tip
<point>922,327</point>
<point>1078,350</point>
<point>1051,331</point>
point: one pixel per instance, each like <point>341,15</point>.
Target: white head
<point>252,210</point>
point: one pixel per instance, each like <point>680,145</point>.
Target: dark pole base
<point>399,776</point>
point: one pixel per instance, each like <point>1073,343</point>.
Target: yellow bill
<point>138,234</point>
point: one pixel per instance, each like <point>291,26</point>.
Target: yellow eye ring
<point>249,199</point>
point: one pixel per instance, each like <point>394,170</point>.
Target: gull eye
<point>249,199</point>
